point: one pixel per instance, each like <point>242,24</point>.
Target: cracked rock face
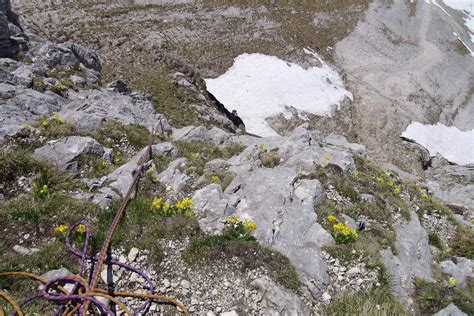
<point>413,259</point>
<point>64,151</point>
<point>277,300</point>
<point>283,207</point>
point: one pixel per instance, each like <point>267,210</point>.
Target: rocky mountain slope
<point>309,221</point>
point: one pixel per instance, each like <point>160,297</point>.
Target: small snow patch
<point>260,86</point>
<point>453,144</point>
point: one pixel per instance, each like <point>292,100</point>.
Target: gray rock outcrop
<point>10,30</point>
<point>64,151</point>
<point>413,259</point>
<point>461,270</point>
<point>450,310</point>
<point>277,300</point>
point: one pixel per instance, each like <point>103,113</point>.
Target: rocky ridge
<point>288,185</point>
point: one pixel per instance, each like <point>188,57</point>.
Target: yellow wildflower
<point>261,147</point>
<point>215,179</point>
<point>331,218</point>
<point>390,183</point>
<point>166,207</point>
<point>185,203</point>
<point>425,197</point>
<point>103,164</point>
<point>61,229</point>
<point>157,202</point>
<point>45,123</point>
<point>249,225</point>
<point>327,158</point>
<point>195,155</point>
<point>58,119</point>
<point>397,190</point>
<point>81,228</point>
<point>452,281</point>
<point>379,180</point>
<point>233,220</point>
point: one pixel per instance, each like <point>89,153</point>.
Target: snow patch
<point>453,144</point>
<point>260,86</point>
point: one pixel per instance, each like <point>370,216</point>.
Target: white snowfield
<point>260,86</point>
<point>453,144</point>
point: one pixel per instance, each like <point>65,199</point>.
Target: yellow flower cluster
<point>61,229</point>
<point>425,197</point>
<point>452,281</point>
<point>397,190</point>
<point>157,202</point>
<point>215,179</point>
<point>81,228</point>
<point>331,218</point>
<point>185,203</point>
<point>57,118</point>
<point>345,230</point>
<point>379,180</point>
<point>233,220</point>
<point>183,207</point>
<point>249,225</point>
<point>44,189</point>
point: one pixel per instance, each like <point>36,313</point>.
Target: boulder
<point>212,208</point>
<point>460,271</point>
<point>122,177</point>
<point>340,141</point>
<point>92,108</point>
<point>413,259</point>
<point>54,274</point>
<point>282,205</point>
<point>173,178</point>
<point>64,151</point>
<point>277,300</point>
<point>450,310</point>
<point>192,133</point>
<point>69,55</point>
<point>10,31</point>
<point>165,150</point>
<point>120,86</point>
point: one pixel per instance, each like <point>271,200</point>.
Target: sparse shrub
<point>372,302</point>
<point>462,245</point>
<point>434,240</point>
<point>232,149</point>
<point>270,159</point>
<point>432,297</point>
<point>59,89</point>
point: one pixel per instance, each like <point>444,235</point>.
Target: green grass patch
<point>199,153</point>
<point>432,297</point>
<point>463,244</point>
<point>253,255</point>
<point>374,302</point>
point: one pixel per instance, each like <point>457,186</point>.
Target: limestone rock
<point>91,108</point>
<point>460,271</point>
<point>277,300</point>
<point>413,259</point>
<point>62,152</point>
<point>54,274</point>
<point>450,310</point>
<point>211,207</point>
<point>282,205</point>
<point>165,149</point>
<point>173,177</point>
